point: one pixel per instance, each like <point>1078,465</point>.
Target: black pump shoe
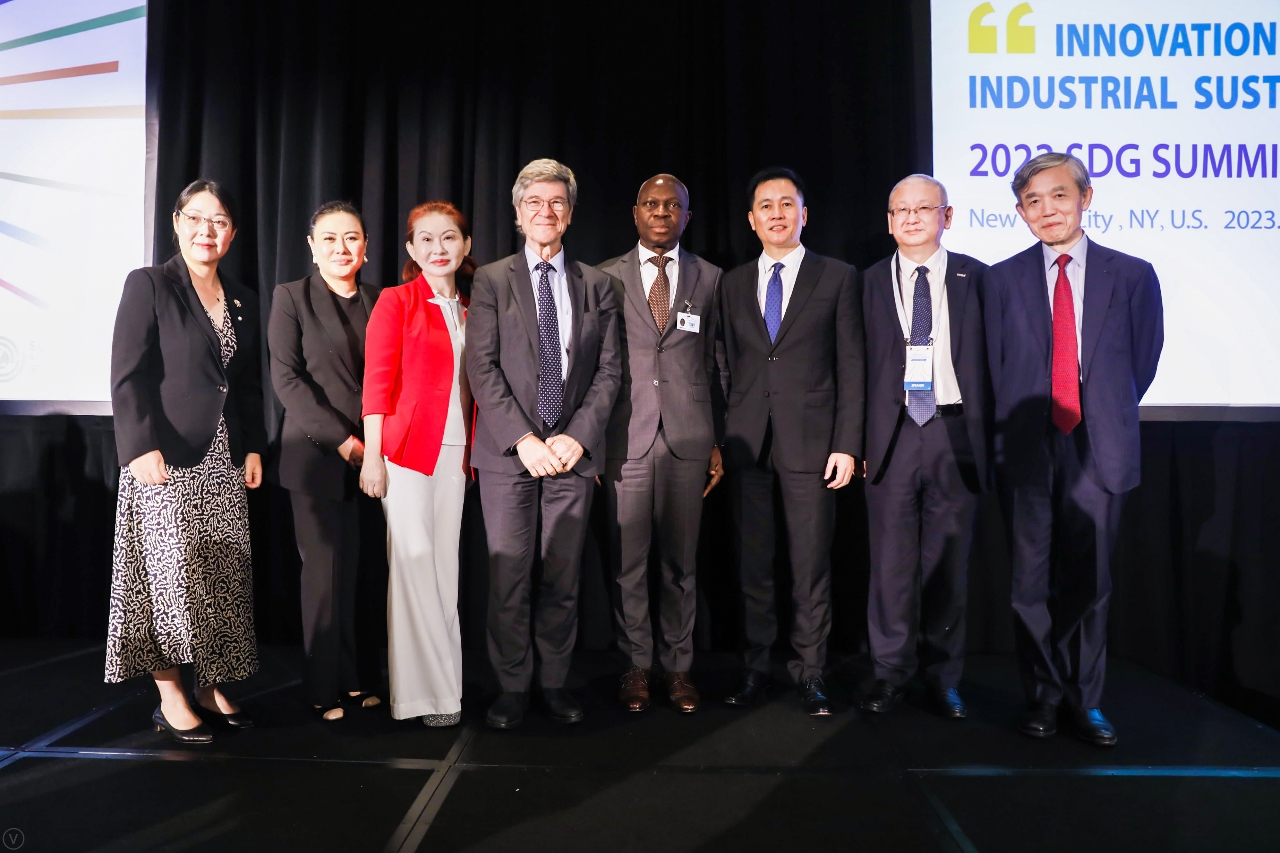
<point>200,734</point>
<point>238,720</point>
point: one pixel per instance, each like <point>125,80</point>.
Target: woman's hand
<point>252,470</point>
<point>149,469</point>
<point>373,476</point>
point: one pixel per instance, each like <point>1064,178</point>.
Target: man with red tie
<point>1074,333</point>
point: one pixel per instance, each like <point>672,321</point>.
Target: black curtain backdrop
<point>293,103</point>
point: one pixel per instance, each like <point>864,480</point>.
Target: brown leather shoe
<point>684,696</point>
<point>634,694</point>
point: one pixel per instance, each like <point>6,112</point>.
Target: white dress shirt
<point>455,424</point>
<point>946,388</point>
<point>559,280</point>
<point>790,266</point>
<point>649,272</point>
<point>1075,275</point>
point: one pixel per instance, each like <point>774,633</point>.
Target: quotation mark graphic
<point>12,839</point>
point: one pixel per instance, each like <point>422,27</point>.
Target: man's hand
<point>149,469</point>
<point>252,470</point>
<point>539,459</point>
<point>352,451</point>
<point>715,470</point>
<point>567,450</point>
<point>843,466</point>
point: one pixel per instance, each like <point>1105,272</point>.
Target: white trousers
<point>424,518</point>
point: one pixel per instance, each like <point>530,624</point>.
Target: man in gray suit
<point>542,357</point>
<point>663,438</point>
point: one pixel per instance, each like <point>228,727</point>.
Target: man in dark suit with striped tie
<point>927,428</point>
<point>1074,333</point>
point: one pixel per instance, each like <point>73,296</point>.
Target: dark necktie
<point>550,380</point>
<point>660,293</point>
<point>1065,401</point>
<point>773,303</point>
<point>921,405</point>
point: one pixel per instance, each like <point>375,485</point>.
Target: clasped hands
<point>556,455</point>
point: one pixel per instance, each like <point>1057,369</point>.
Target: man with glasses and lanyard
<point>927,432</point>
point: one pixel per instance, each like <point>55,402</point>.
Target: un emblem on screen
<point>10,360</point>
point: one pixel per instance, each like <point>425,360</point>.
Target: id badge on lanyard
<point>918,375</point>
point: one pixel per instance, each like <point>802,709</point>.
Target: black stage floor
<point>80,770</point>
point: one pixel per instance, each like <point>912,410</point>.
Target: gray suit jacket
<point>668,375</point>
<point>502,364</point>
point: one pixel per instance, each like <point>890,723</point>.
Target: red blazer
<point>408,373</point>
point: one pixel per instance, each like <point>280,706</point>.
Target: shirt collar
<point>934,263</point>
<point>1078,253</point>
<point>790,262</point>
<point>645,254</point>
<point>532,259</point>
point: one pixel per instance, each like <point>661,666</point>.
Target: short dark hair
<point>773,173</point>
<point>337,207</point>
<point>213,188</point>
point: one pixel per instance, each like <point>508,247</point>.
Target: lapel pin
<point>961,275</point>
<point>235,302</point>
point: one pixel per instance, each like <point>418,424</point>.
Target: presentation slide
<point>72,178</point>
<point>1172,106</point>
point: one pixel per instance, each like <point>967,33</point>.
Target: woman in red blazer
<point>417,409</point>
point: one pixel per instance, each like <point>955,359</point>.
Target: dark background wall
<point>292,103</point>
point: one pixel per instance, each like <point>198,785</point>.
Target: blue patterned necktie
<point>920,404</point>
<point>773,303</point>
<point>550,379</point>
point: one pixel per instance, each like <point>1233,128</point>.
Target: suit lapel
<point>578,299</point>
<point>522,290</point>
<point>633,285</point>
<point>957,294</point>
<point>327,313</point>
<point>1039,314</point>
<point>1099,282</point>
<point>806,281</point>
<point>180,278</point>
<point>684,290</point>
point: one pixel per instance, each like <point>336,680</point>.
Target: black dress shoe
<point>1091,727</point>
<point>200,734</point>
<point>883,696</point>
<point>813,693</point>
<point>507,711</point>
<point>949,704</point>
<point>238,720</point>
<point>751,689</point>
<point>561,706</point>
<point>1040,720</point>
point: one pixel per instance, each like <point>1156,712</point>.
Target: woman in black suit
<point>316,338</point>
<point>186,391</point>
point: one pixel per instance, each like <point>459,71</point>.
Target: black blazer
<point>502,363</point>
<point>314,374</point>
<point>887,354</point>
<point>810,381</point>
<point>168,386</point>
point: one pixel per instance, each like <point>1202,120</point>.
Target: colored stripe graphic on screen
<point>72,29</point>
<point>22,294</point>
<point>22,235</point>
<point>61,73</point>
<point>61,185</point>
<point>125,111</point>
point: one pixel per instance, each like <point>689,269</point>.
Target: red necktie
<point>1065,405</point>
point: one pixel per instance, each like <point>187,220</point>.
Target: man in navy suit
<point>926,447</point>
<point>1074,333</point>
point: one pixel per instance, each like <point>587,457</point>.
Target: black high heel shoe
<point>238,720</point>
<point>200,734</point>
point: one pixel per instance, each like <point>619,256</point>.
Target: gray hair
<point>928,179</point>
<point>1051,160</point>
<point>548,171</point>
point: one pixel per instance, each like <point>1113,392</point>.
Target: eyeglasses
<point>194,221</point>
<point>557,205</point>
<point>922,210</point>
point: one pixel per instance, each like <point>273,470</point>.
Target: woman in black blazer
<point>186,391</point>
<point>316,338</point>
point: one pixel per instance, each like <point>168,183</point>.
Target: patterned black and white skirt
<point>182,578</point>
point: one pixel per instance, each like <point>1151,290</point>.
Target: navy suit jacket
<point>1121,337</point>
<point>887,353</point>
